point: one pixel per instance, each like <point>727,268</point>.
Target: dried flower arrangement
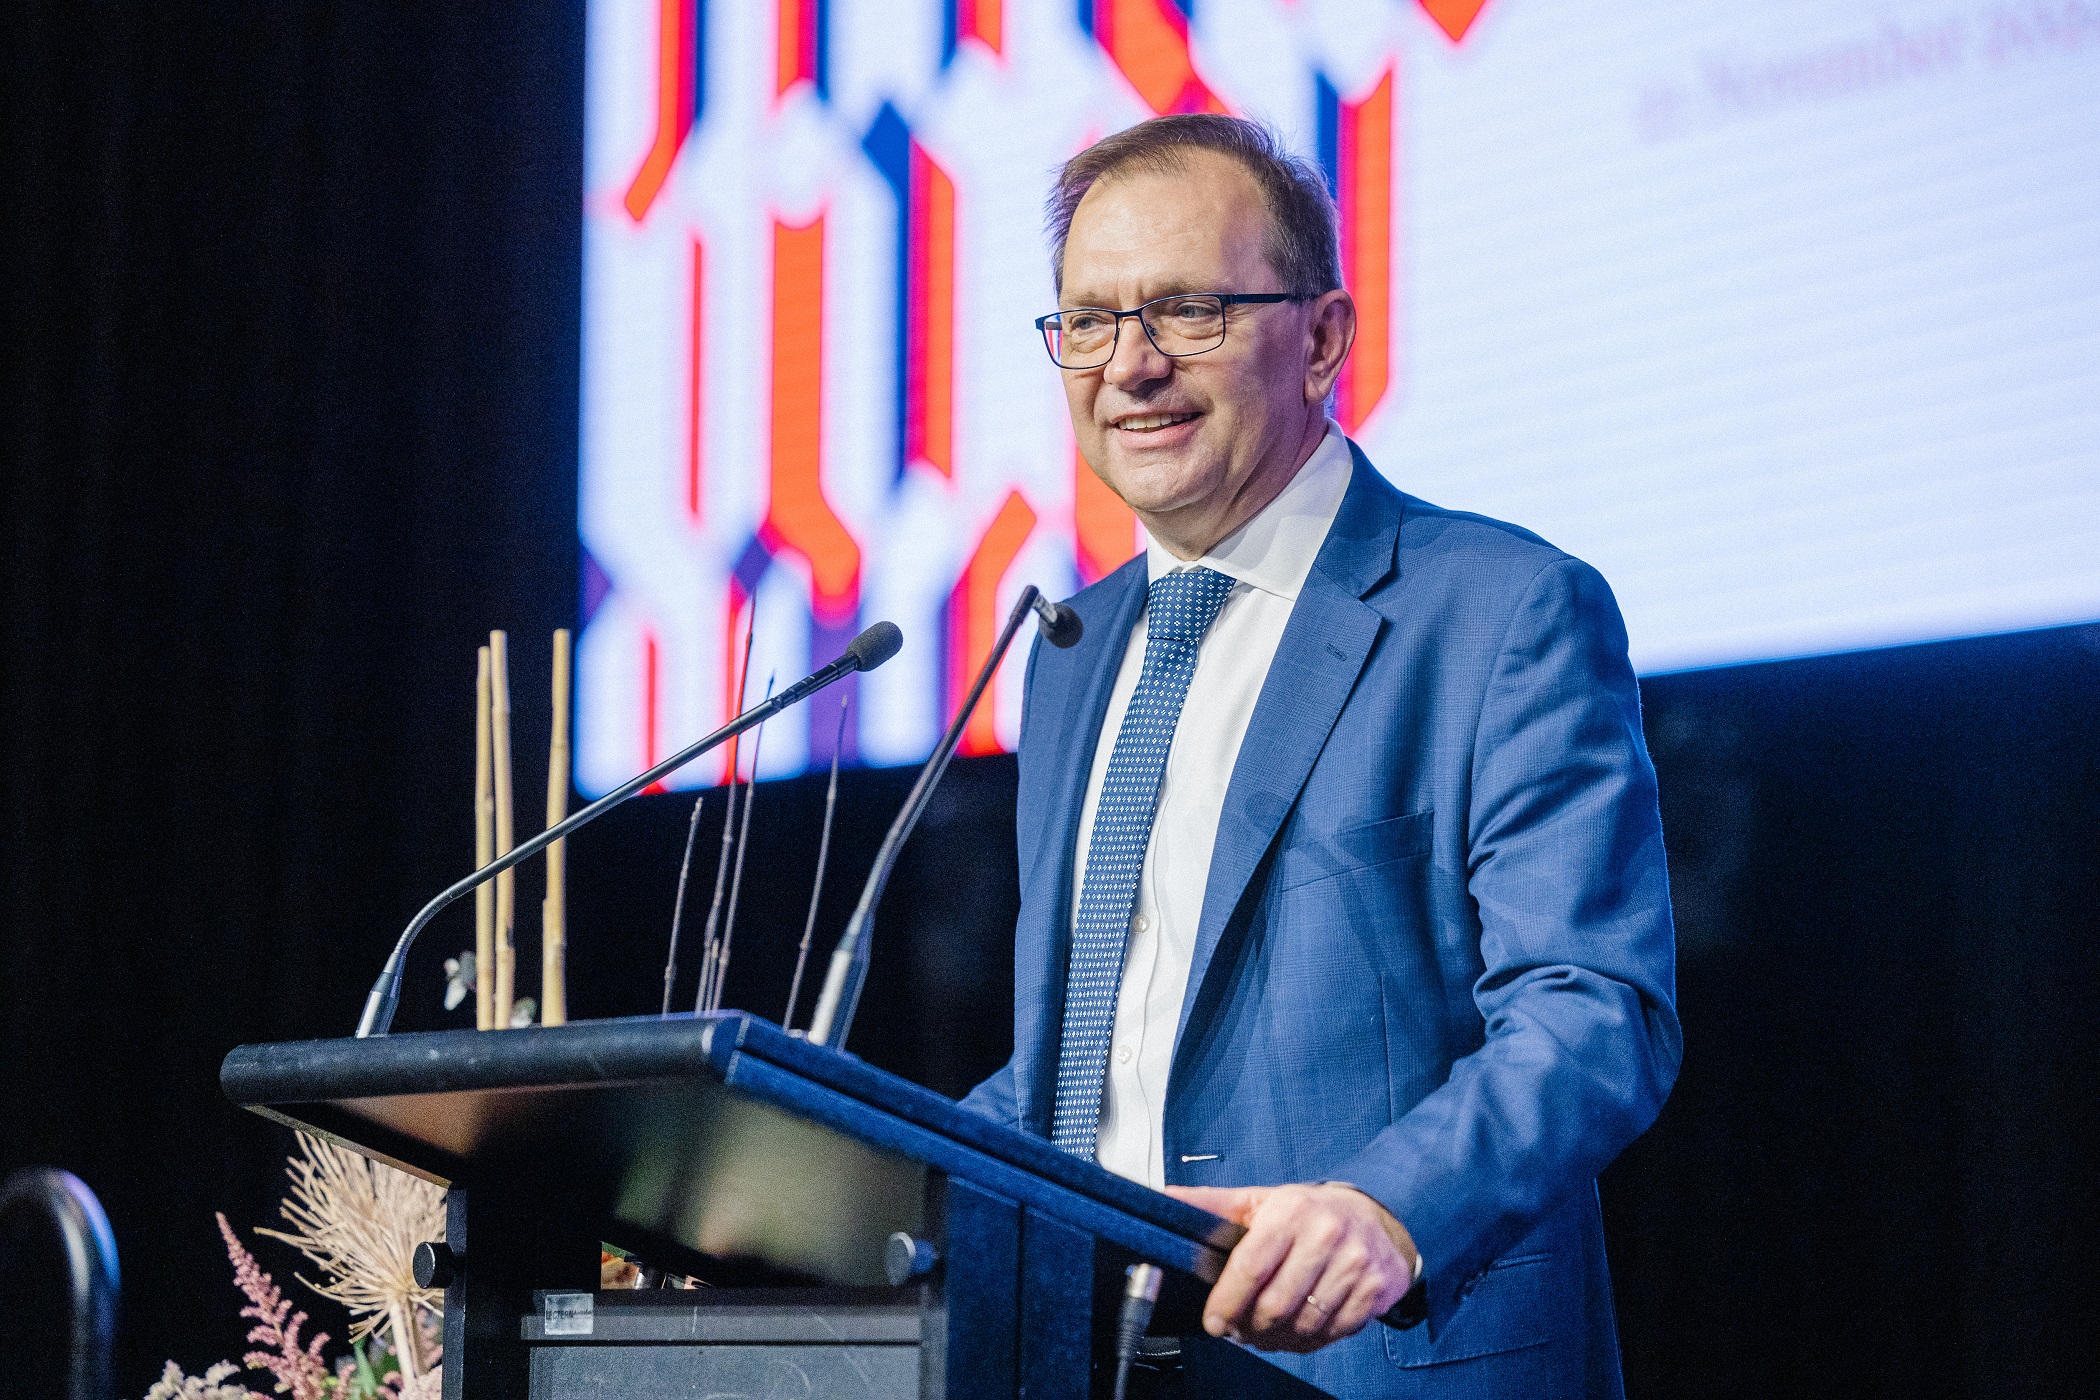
<point>359,1223</point>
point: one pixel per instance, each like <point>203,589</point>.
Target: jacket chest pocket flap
<point>1312,855</point>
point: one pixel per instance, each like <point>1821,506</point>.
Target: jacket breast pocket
<point>1311,856</point>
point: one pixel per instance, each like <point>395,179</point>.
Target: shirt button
<point>1123,1055</point>
<point>1140,924</point>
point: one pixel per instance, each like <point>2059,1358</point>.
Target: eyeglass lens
<point>1178,325</point>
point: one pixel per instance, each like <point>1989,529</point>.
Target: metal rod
<point>709,934</point>
<point>685,868</point>
<point>843,980</point>
<point>720,973</point>
<point>816,890</point>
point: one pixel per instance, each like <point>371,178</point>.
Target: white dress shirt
<point>1269,556</point>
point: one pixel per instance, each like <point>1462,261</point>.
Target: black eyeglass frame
<point>1224,299</point>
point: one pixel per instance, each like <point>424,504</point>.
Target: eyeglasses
<point>1184,324</point>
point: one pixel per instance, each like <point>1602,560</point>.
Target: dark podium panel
<point>774,1171</point>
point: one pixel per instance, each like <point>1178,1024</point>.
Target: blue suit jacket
<point>1435,958</point>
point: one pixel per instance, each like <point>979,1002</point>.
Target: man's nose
<point>1136,359</point>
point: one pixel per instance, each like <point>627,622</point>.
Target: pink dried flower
<point>300,1371</point>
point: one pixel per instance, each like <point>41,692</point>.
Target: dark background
<point>287,399</point>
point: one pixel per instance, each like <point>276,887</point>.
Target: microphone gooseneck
<point>1140,1293</point>
<point>865,652</point>
<point>848,972</point>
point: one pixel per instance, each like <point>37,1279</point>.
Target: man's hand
<point>1317,1263</point>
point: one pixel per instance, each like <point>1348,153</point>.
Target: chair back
<point>58,1289</point>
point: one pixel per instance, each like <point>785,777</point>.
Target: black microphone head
<point>1059,624</point>
<point>875,646</point>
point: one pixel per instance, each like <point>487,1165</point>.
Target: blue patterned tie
<point>1179,609</point>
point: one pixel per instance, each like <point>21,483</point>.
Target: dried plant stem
<point>405,1345</point>
<point>484,849</point>
<point>554,913</point>
<point>507,882</point>
<point>360,1223</point>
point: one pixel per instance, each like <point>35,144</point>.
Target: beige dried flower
<point>360,1223</point>
<point>428,1386</point>
<point>212,1385</point>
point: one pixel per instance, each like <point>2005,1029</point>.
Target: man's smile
<point>1151,422</point>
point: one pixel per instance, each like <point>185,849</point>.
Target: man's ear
<point>1330,333</point>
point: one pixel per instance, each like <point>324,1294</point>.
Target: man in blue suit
<point>1344,912</point>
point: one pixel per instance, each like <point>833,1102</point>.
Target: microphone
<point>1060,625</point>
<point>849,961</point>
<point>864,653</point>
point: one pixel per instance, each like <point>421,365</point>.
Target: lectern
<point>793,1180</point>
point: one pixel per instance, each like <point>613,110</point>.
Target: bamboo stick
<point>507,882</point>
<point>484,851</point>
<point>554,933</point>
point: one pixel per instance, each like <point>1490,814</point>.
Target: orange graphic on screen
<point>974,618</point>
<point>1149,41</point>
<point>1454,17</point>
<point>929,385</point>
<point>677,100</point>
<point>799,519</point>
<point>981,20</point>
<point>797,38</point>
<point>1364,161</point>
<point>1104,530</point>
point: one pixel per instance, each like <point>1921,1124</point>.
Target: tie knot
<point>1185,603</point>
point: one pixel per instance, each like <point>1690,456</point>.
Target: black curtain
<point>1873,1176</point>
<point>288,405</point>
<point>289,364</point>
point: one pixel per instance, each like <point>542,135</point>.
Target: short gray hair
<point>1301,246</point>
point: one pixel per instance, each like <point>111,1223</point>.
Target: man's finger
<point>1235,1203</point>
<point>1248,1269</point>
<point>1316,1240</point>
<point>1247,1273</point>
<point>1373,1294</point>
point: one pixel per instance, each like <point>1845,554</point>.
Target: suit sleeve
<point>995,1099</point>
<point>1565,869</point>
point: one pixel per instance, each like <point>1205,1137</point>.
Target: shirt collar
<point>1275,550</point>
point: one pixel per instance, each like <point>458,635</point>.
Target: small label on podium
<point>567,1314</point>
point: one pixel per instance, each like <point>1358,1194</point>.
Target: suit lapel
<point>1317,662</point>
